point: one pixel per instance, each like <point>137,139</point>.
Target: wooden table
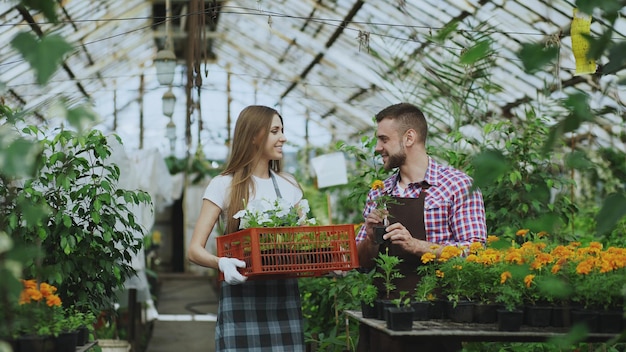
<point>442,330</point>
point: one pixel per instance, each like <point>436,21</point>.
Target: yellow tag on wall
<point>581,24</point>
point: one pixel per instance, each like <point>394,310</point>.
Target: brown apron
<point>410,213</point>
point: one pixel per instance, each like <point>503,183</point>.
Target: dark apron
<point>410,213</point>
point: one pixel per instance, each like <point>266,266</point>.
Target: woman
<point>256,315</point>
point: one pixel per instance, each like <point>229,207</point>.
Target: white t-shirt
<point>218,189</point>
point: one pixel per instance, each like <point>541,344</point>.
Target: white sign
<point>330,169</point>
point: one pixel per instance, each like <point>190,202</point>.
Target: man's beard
<point>395,160</point>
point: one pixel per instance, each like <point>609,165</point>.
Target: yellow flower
<point>378,184</point>
<point>522,232</point>
<point>492,238</point>
<point>528,280</point>
<point>428,257</point>
<point>505,276</point>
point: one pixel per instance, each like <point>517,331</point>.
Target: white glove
<point>229,266</point>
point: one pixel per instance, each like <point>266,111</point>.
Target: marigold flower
<point>555,268</point>
<point>428,257</point>
<point>528,280</point>
<point>378,184</point>
<point>449,252</point>
<point>53,300</point>
<point>475,247</point>
<point>47,289</point>
<point>585,267</point>
<point>492,238</point>
<point>439,273</point>
<point>522,232</point>
<point>505,276</point>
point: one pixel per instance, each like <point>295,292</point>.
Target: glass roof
<point>327,65</point>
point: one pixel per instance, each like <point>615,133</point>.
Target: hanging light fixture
<point>169,100</point>
<point>165,60</point>
<point>165,63</point>
<point>170,133</point>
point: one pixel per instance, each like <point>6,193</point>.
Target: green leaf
<point>475,53</point>
<point>47,7</point>
<point>19,158</point>
<point>535,56</point>
<point>578,160</point>
<point>488,166</point>
<point>613,210</point>
<point>82,118</point>
<point>44,55</point>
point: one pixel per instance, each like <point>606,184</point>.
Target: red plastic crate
<point>291,251</point>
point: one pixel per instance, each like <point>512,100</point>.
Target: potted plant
<point>509,293</point>
<point>39,314</point>
<point>383,199</point>
<point>388,272</point>
<point>400,316</point>
<point>457,284</point>
<point>423,297</point>
<point>480,269</point>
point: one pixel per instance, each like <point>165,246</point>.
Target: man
<point>435,205</point>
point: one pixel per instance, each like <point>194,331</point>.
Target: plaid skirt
<point>259,316</point>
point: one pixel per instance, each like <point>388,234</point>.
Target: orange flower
<point>492,238</point>
<point>528,280</point>
<point>378,184</point>
<point>53,301</point>
<point>522,232</point>
<point>585,267</point>
<point>476,247</point>
<point>449,252</point>
<point>47,289</point>
<point>439,273</point>
<point>428,257</point>
<point>505,276</point>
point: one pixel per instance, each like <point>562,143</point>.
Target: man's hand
<point>375,218</point>
<point>229,266</point>
<point>399,235</point>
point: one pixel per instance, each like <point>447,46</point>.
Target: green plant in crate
<point>277,213</point>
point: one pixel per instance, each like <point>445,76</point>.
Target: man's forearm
<point>367,251</point>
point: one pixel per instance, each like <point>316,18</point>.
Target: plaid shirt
<point>452,216</point>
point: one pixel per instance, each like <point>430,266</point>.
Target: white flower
<point>265,213</point>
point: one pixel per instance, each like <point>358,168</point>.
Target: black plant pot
<point>381,308</point>
<point>485,313</point>
<point>611,321</point>
<point>400,319</point>
<point>461,312</point>
<point>420,310</point>
<point>83,336</point>
<point>537,316</point>
<point>379,232</point>
<point>560,317</point>
<point>368,311</point>
<point>66,341</point>
<point>587,317</point>
<point>510,320</point>
<point>438,309</point>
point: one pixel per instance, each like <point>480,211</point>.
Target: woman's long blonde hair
<point>253,124</point>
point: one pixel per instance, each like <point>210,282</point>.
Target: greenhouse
<point>175,172</point>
